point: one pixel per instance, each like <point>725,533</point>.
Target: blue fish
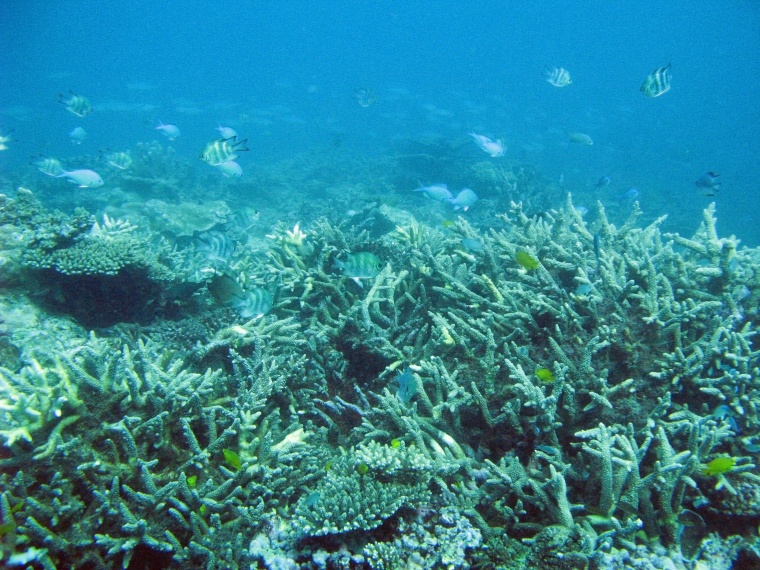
<point>629,196</point>
<point>709,183</point>
<point>472,244</point>
<point>604,181</point>
<point>407,386</point>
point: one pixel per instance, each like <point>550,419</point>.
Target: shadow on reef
<point>101,274</point>
<point>98,301</point>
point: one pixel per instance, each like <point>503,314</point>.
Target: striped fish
<point>257,303</point>
<point>358,266</point>
<point>48,165</point>
<point>657,82</point>
<point>76,104</point>
<point>558,76</point>
<point>215,246</point>
<point>222,150</point>
<point>249,304</point>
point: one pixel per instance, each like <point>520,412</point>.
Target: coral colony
<point>570,393</point>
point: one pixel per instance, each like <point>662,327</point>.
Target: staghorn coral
<point>646,336</point>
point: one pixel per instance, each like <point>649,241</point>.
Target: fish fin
<point>357,281</point>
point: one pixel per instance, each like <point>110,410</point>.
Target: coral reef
<point>459,409</point>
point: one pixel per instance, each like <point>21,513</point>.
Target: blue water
<point>283,74</point>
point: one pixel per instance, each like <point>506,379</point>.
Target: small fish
<point>361,265</point>
<point>171,132</point>
<point>709,183</point>
<point>472,244</point>
<point>437,192</point>
<point>47,165</point>
<point>448,224</point>
<point>493,148</point>
<point>687,517</point>
<point>597,248</point>
<point>119,160</point>
<point>407,386</point>
<point>256,303</point>
<point>76,104</point>
<point>628,196</point>
<point>225,290</point>
<point>222,150</point>
<point>604,181</point>
<point>657,82</point>
<point>464,199</point>
<point>558,76</point>
<point>525,260</point>
<point>581,138</point>
<point>4,140</point>
<point>227,132</point>
<point>365,97</point>
<point>230,169</point>
<point>545,375</point>
<point>216,246</point>
<point>232,459</point>
<point>82,178</point>
<point>718,466</point>
<point>78,135</point>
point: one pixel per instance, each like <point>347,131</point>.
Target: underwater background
<point>379,284</point>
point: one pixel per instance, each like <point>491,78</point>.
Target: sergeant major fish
<point>657,82</point>
<point>48,165</point>
<point>361,265</point>
<point>119,160</point>
<point>222,150</point>
<point>558,76</point>
<point>76,104</point>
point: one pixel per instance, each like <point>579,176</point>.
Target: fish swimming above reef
<point>361,265</point>
<point>230,169</point>
<point>464,199</point>
<point>709,183</point>
<point>494,148</point>
<point>581,138</point>
<point>222,150</point>
<point>171,132</point>
<point>82,178</point>
<point>77,135</point>
<point>558,76</point>
<point>227,132</point>
<point>437,192</point>
<point>47,165</point>
<point>603,182</point>
<point>657,82</point>
<point>365,97</point>
<point>119,160</point>
<point>4,140</point>
<point>76,104</point>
